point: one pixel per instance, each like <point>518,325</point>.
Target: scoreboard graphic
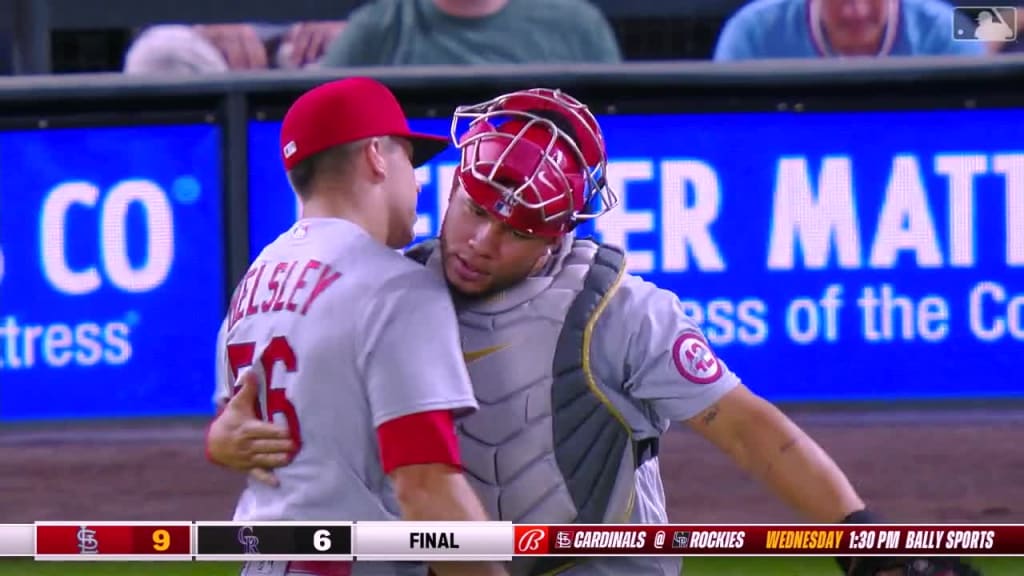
<point>495,541</point>
<point>109,541</point>
<point>273,541</point>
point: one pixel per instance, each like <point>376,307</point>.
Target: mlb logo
<point>503,208</point>
<point>680,539</point>
<point>985,23</point>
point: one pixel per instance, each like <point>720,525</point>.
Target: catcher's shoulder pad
<point>421,252</point>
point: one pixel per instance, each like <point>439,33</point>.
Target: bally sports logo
<point>532,540</point>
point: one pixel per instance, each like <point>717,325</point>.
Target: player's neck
<point>360,215</point>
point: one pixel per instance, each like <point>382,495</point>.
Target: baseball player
<point>386,364</point>
<point>579,367</point>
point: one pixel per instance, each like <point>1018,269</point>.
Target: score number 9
<point>161,540</point>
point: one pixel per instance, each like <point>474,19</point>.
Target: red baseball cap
<point>348,110</point>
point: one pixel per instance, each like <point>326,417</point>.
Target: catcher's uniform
<point>577,372</point>
<point>351,334</point>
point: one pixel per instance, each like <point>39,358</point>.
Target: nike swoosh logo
<point>474,355</point>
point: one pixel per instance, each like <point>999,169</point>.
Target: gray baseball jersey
<point>348,334</point>
<point>656,366</point>
<point>561,399</point>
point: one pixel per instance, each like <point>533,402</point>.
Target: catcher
<point>579,367</point>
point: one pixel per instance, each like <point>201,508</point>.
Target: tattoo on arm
<point>785,447</point>
<point>710,415</point>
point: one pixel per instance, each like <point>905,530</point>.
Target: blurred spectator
<point>427,32</point>
<point>1013,47</point>
<point>179,49</point>
<point>840,28</point>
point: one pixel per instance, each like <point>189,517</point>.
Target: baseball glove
<point>939,566</point>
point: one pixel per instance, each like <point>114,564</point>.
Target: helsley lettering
<point>281,286</point>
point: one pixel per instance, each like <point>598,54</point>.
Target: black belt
<point>644,450</point>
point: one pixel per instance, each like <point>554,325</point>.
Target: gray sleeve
<point>647,347</point>
<point>738,39</point>
<point>362,41</point>
<point>411,359</point>
<point>600,42</point>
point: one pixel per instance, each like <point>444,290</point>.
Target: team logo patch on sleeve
<point>694,359</point>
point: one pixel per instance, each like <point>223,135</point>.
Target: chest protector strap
<point>591,435</point>
<point>421,252</point>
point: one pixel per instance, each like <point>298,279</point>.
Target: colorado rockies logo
<point>248,540</point>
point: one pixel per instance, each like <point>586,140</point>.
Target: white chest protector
<point>547,446</point>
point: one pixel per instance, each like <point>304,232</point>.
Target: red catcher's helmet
<point>535,159</point>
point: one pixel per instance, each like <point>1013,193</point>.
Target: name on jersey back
<point>275,286</point>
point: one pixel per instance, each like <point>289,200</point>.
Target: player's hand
<point>239,440</point>
<point>238,43</point>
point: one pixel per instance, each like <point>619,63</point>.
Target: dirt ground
<point>916,467</point>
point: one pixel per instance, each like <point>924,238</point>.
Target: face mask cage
<point>597,196</point>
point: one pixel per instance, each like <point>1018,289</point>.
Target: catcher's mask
<point>535,159</point>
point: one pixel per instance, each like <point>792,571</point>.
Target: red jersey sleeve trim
<point>421,438</point>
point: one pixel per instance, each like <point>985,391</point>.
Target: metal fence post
<point>235,115</point>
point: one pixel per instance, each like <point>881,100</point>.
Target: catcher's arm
<point>239,440</point>
<point>236,438</point>
<point>765,443</point>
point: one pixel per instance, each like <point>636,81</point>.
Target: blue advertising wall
<point>111,282</point>
<point>828,256</point>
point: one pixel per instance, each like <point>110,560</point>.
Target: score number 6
<point>322,540</point>
<point>278,350</point>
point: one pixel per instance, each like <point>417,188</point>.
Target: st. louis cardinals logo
<point>87,542</point>
<point>694,359</point>
<point>531,540</point>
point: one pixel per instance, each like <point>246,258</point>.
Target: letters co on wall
<point>112,275</point>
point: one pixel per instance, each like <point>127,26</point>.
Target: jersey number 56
<point>278,350</point>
